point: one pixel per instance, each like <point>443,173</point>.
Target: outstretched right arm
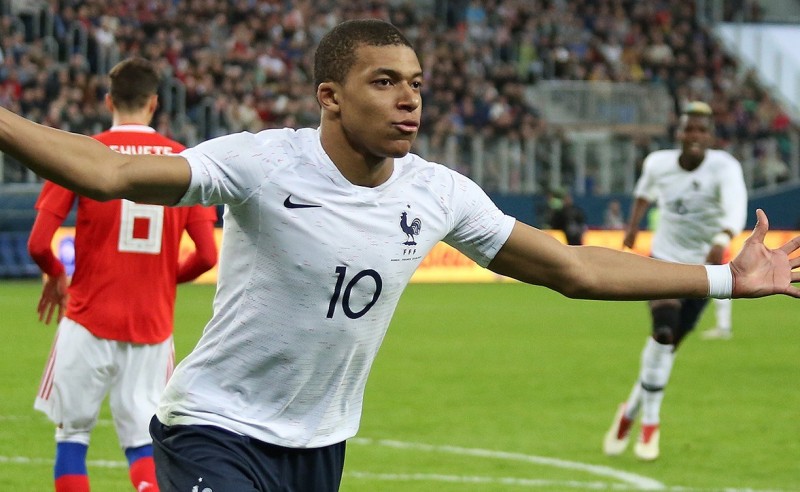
<point>91,169</point>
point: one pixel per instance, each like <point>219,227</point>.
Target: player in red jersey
<point>116,334</point>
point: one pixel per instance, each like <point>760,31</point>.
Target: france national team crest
<point>411,230</point>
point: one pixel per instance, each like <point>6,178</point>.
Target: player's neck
<point>131,118</point>
<point>358,167</point>
<point>690,163</point>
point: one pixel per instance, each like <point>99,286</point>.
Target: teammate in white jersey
<point>702,199</point>
<point>323,230</point>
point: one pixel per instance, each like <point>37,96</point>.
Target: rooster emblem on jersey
<point>410,230</point>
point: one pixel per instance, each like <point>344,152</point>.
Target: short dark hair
<point>336,52</point>
<point>132,82</point>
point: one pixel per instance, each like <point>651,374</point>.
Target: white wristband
<point>721,239</point>
<point>720,281</point>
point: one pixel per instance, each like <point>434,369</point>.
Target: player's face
<point>695,136</point>
<point>381,102</point>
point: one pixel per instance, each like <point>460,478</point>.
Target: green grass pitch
<point>497,387</point>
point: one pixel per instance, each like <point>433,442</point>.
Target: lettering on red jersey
<point>142,149</point>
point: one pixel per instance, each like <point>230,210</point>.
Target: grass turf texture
<point>493,379</point>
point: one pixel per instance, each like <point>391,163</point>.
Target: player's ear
<point>152,104</point>
<point>109,104</point>
<point>327,96</point>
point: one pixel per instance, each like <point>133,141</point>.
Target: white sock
<point>723,311</point>
<point>656,368</point>
<point>633,401</point>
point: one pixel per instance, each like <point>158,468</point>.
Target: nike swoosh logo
<point>288,203</point>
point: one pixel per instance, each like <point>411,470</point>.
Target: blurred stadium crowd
<point>233,65</point>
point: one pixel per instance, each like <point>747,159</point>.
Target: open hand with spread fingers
<point>759,271</point>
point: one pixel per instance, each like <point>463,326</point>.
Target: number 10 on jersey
<point>364,275</point>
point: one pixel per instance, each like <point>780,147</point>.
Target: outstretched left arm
<point>590,272</point>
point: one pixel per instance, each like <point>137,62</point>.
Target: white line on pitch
<point>521,482</point>
<point>632,480</point>
<point>638,481</point>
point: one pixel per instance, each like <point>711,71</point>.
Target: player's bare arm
<point>589,272</point>
<point>89,168</point>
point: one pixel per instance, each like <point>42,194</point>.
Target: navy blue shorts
<point>691,309</point>
<point>209,459</point>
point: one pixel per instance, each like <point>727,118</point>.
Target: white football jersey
<point>311,270</point>
<point>693,205</point>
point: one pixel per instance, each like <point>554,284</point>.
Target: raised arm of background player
<point>92,169</point>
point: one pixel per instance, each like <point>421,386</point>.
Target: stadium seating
<point>15,262</point>
<point>482,61</point>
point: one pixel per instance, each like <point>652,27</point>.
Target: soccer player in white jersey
<point>703,202</point>
<point>323,230</point>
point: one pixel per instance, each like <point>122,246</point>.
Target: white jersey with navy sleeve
<point>693,205</point>
<point>311,270</point>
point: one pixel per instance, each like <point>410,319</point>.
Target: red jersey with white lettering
<point>126,253</point>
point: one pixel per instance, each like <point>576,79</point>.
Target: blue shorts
<point>691,309</point>
<point>207,458</point>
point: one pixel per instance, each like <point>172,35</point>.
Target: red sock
<point>143,475</point>
<point>72,483</point>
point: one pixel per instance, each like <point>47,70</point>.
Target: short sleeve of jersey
<point>231,168</point>
<point>645,186</point>
<point>480,228</point>
<point>55,199</point>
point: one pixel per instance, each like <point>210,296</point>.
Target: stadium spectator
<point>570,219</point>
<point>612,217</point>
<point>703,202</point>
<point>116,335</point>
<point>274,388</point>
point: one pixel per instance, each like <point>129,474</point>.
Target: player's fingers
<point>762,226</point>
<point>794,262</point>
<point>791,246</point>
<point>793,291</point>
<point>41,308</point>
